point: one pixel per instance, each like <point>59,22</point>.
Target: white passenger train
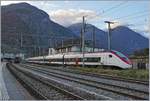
<point>105,58</point>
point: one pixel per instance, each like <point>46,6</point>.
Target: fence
<point>140,62</point>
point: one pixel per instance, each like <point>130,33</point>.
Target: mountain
<point>26,24</point>
<point>123,38</point>
<point>25,28</point>
<point>100,35</point>
<point>127,41</point>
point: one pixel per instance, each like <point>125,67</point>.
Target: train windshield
<point>121,55</point>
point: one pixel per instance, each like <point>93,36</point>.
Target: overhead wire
<point>110,9</point>
<point>114,7</point>
<point>146,21</point>
<point>134,18</point>
<point>126,17</point>
<point>131,15</point>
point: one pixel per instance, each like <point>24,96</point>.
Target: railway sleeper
<point>83,93</point>
<point>35,88</point>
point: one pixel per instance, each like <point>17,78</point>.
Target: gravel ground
<point>67,85</point>
<point>103,80</point>
<point>99,85</point>
<point>78,85</point>
<point>48,91</point>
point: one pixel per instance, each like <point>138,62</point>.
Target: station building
<point>72,49</point>
<point>74,45</point>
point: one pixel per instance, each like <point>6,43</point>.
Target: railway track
<point>38,93</point>
<point>124,91</point>
<point>104,77</point>
<point>143,82</point>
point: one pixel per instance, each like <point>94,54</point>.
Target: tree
<point>142,52</point>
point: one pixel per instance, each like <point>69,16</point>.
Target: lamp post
<point>83,42</point>
<point>109,34</point>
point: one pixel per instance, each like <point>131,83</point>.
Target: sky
<point>134,14</point>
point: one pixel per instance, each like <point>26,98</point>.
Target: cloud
<point>146,31</point>
<point>12,2</point>
<point>67,17</point>
<point>66,1</point>
<point>117,23</point>
<point>143,30</point>
<point>44,5</point>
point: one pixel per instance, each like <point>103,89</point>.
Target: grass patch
<point>127,73</point>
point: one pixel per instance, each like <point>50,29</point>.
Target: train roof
<point>69,54</point>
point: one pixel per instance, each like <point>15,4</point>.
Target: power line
<point>110,9</point>
<point>127,16</point>
<point>131,21</point>
<point>140,23</point>
<point>133,17</point>
<point>114,7</point>
<point>130,15</point>
<point>137,17</point>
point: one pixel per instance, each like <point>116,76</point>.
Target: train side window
<point>110,56</point>
<point>72,59</point>
<point>85,59</point>
<point>80,59</point>
<point>99,58</point>
<point>93,59</point>
<point>68,59</point>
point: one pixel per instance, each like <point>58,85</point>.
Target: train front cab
<point>121,60</point>
<point>115,59</point>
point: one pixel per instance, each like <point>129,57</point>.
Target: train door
<point>99,60</point>
<point>106,59</point>
<point>77,61</point>
<point>110,59</point>
<point>63,60</point>
<point>103,60</point>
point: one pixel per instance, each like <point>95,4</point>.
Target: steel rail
<point>143,82</point>
<point>72,78</point>
<point>28,86</point>
<point>55,87</point>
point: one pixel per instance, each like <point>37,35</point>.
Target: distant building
<point>73,45</point>
<point>12,55</point>
<point>74,48</point>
